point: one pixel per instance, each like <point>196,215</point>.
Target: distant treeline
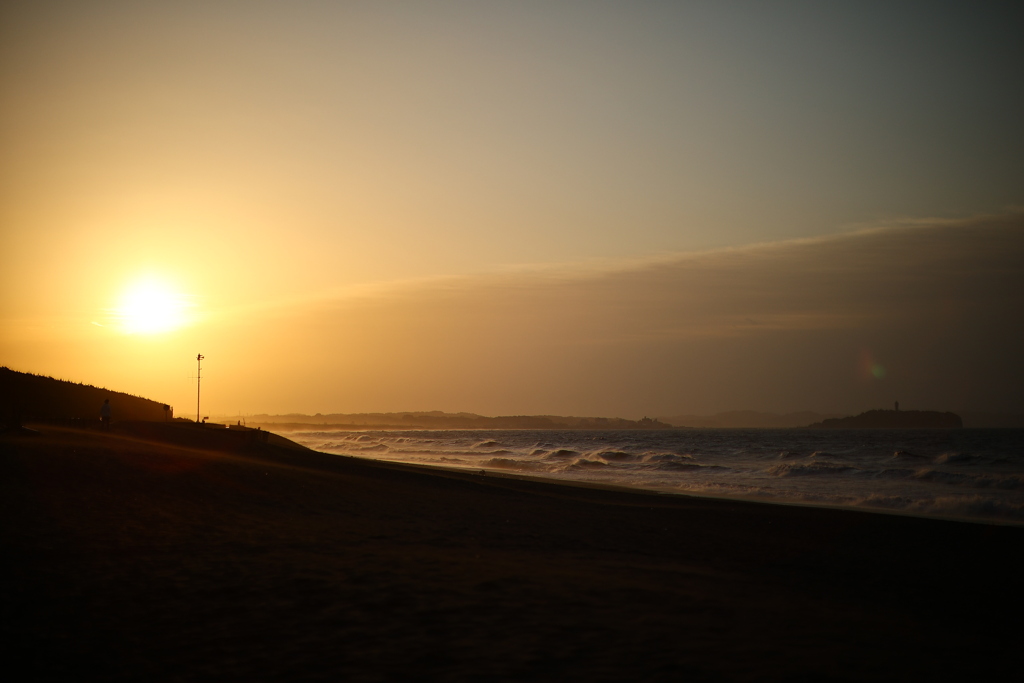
<point>439,420</point>
<point>24,396</point>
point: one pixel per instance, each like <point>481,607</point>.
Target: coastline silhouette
<point>894,419</point>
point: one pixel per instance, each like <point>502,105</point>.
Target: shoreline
<point>909,483</point>
<point>198,557</point>
<point>303,427</point>
<point>686,494</point>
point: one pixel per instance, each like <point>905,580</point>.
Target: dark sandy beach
<point>166,552</point>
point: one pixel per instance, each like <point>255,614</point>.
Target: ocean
<point>967,474</point>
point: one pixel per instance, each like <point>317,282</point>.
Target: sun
<point>151,306</point>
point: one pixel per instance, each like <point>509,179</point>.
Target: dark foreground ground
<point>163,552</point>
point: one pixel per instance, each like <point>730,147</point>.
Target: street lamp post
<point>199,374</point>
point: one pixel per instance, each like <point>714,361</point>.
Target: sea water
<point>971,474</point>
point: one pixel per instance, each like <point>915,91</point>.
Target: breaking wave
<point>374,447</point>
<point>803,470</point>
<point>562,454</point>
<point>968,474</point>
<point>583,463</point>
<point>617,456</point>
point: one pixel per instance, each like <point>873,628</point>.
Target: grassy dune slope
<point>26,396</point>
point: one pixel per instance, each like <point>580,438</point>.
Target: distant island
<point>893,419</point>
<point>749,419</point>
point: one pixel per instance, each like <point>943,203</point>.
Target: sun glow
<point>151,306</point>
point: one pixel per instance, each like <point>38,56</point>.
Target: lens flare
<point>869,367</point>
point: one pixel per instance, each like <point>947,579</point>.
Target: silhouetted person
<point>897,406</point>
<point>105,415</point>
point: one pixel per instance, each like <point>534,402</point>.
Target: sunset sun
<point>151,306</point>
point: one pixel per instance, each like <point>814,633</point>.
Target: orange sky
<point>514,208</point>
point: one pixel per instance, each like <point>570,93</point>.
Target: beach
<point>169,552</point>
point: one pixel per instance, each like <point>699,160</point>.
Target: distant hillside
<point>440,420</point>
<point>749,419</point>
<point>26,396</point>
<point>894,419</point>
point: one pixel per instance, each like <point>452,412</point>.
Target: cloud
<point>872,277</point>
<point>771,326</point>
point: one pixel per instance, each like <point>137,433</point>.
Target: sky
<point>590,208</point>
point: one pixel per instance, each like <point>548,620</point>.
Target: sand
<point>165,552</point>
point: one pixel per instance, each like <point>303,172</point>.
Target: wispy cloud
<point>781,325</point>
<point>914,270</point>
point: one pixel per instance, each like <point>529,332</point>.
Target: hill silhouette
<point>746,419</point>
<point>25,396</point>
<point>440,420</point>
<point>894,419</point>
